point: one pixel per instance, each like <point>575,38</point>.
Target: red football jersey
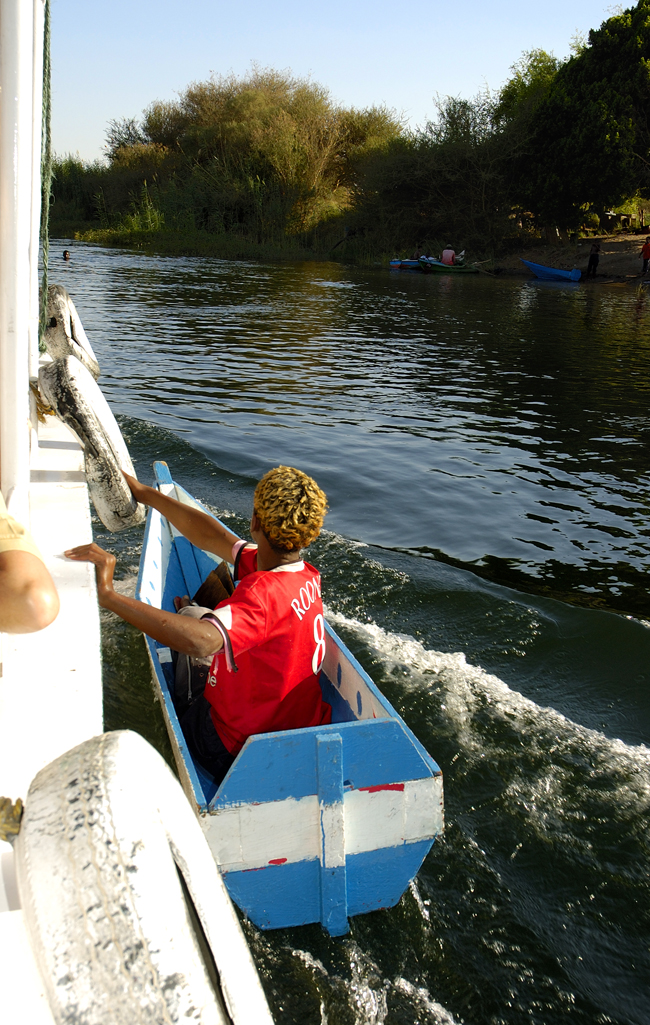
<point>275,624</point>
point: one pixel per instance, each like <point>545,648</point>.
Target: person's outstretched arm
<point>198,527</point>
<point>28,597</point>
<point>194,637</point>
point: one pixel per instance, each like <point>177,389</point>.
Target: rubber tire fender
<point>78,400</point>
<point>105,832</point>
<point>64,334</point>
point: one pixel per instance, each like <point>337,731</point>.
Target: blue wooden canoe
<point>553,273</point>
<point>310,825</point>
<point>405,265</point>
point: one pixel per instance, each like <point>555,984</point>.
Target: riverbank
<point>620,258</point>
<point>228,246</point>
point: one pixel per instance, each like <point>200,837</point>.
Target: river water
<point>483,444</point>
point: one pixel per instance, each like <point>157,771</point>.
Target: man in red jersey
<point>267,640</point>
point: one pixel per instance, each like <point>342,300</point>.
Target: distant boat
<point>429,264</point>
<point>405,265</point>
<point>553,273</point>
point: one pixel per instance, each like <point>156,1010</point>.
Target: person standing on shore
<point>645,255</point>
<point>594,257</point>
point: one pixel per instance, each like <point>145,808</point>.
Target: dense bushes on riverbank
<point>266,158</point>
<point>269,165</point>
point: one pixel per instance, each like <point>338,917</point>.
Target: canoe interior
<point>377,786</point>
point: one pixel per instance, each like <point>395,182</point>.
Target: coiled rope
<point>46,173</point>
<point>42,408</point>
<point>10,816</point>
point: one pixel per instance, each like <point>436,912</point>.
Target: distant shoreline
<point>619,257</point>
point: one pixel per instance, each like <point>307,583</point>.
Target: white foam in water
<point>368,992</point>
<point>468,686</point>
<point>422,904</point>
<point>568,755</point>
<point>311,961</point>
<point>643,622</point>
<point>423,1003</point>
<point>126,586</point>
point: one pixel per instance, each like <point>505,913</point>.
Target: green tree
<point>260,155</point>
<point>447,182</point>
<point>590,142</point>
<point>121,133</point>
<point>521,95</point>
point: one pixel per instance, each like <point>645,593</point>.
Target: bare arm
<point>28,597</point>
<point>198,527</point>
<point>193,637</point>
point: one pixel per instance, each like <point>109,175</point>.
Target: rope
<point>42,408</point>
<point>10,816</point>
<point>46,173</point>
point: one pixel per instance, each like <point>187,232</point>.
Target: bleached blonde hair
<point>290,507</point>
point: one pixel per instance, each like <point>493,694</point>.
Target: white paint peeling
<point>332,818</point>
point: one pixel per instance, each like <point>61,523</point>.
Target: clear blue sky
<point>111,58</point>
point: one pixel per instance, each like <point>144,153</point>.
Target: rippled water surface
<point>483,444</point>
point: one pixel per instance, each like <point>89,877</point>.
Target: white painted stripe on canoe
<point>250,836</point>
<point>170,491</point>
<point>332,823</point>
<point>392,816</point>
<point>154,561</point>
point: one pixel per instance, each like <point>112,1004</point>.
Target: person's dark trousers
<point>205,744</point>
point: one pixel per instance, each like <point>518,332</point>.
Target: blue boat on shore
<point>553,273</point>
<point>309,825</point>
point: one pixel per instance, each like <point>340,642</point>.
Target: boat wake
<point>546,839</point>
<point>537,888</point>
<point>468,700</point>
<point>367,993</point>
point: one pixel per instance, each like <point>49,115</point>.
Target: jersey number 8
<point>319,637</point>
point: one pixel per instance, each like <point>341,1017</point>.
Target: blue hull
<point>405,265</point>
<point>553,273</point>
<point>310,825</point>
